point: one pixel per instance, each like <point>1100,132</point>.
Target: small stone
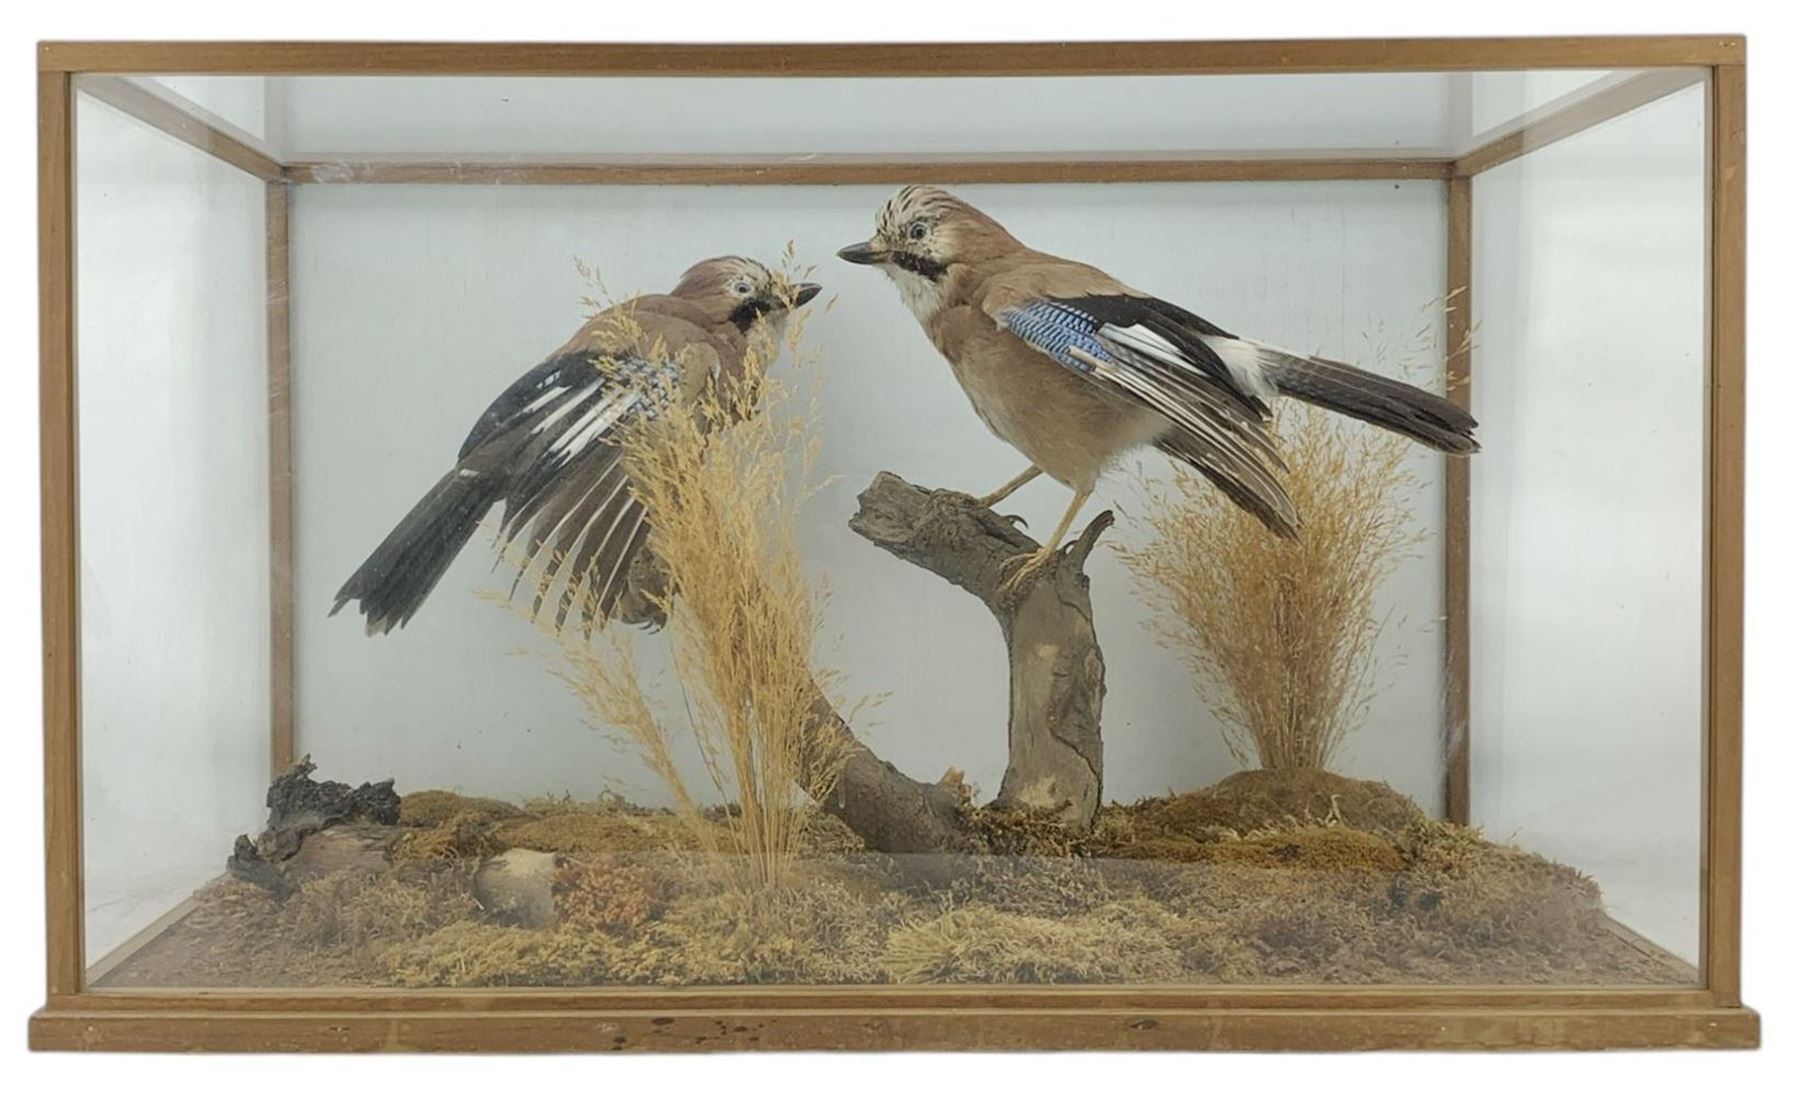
<point>518,887</point>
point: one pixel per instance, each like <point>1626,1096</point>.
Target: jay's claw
<point>1017,569</point>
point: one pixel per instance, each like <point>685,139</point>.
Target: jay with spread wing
<point>547,449</point>
<point>1074,368</point>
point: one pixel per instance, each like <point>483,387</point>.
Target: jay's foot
<point>1019,568</point>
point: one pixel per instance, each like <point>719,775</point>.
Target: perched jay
<point>547,447</point>
<point>1074,368</point>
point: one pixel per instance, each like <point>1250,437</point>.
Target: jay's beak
<point>805,293</point>
<point>863,252</point>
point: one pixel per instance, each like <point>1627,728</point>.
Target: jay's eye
<point>740,288</point>
<point>915,231</point>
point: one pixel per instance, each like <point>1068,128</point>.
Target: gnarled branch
<point>1058,677</point>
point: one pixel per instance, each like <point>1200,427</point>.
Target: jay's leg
<point>1031,563</point>
<point>1011,487</point>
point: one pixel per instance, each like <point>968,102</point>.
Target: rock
<point>301,807</point>
<point>359,846</point>
<point>248,865</point>
<point>356,847</point>
<point>518,887</point>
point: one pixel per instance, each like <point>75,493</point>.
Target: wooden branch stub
<point>890,811</point>
<point>644,601</point>
<point>1058,677</point>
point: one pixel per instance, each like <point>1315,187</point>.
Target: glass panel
<point>1209,745</point>
<point>174,507</point>
<point>1588,523</point>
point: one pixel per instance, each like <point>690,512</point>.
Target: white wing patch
<point>545,398</point>
<point>590,427</point>
<point>567,406</point>
<point>1140,339</point>
<point>1243,358</point>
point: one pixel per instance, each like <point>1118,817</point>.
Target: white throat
<point>920,294</point>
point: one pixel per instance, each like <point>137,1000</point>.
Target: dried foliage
<point>1361,891</point>
<point>1111,943</point>
<point>722,479</point>
<point>1280,634</point>
<point>608,893</point>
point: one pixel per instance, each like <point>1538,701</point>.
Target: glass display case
<point>536,553</point>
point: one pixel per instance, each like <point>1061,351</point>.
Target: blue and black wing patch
<point>1217,423</point>
<point>1064,332</point>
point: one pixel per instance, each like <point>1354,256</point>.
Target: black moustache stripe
<point>918,265</point>
<point>745,315</point>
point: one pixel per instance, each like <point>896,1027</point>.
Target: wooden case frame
<point>1709,1013</point>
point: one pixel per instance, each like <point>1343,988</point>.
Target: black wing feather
<point>568,515</point>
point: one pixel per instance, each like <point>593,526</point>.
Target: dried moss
<point>824,835</point>
<point>608,894</point>
<point>1175,828</point>
<point>814,931</point>
<point>468,834</point>
<point>473,953</point>
<point>1310,847</point>
<point>429,809</point>
<point>1486,894</point>
<point>577,832</point>
<point>979,943</point>
<point>1021,831</point>
<point>1042,887</point>
<point>1288,886</point>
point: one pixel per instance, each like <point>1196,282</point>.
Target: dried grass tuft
<point>1280,634</point>
<point>722,481</point>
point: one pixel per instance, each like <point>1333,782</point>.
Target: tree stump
<point>1058,677</point>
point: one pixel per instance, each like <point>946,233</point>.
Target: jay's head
<point>922,232</point>
<point>740,291</point>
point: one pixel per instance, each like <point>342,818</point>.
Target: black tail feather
<point>392,584</point>
<point>1384,402</point>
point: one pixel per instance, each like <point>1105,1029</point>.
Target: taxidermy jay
<point>547,448</point>
<point>1074,368</point>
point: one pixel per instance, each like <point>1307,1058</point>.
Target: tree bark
<point>890,811</point>
<point>1058,677</point>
